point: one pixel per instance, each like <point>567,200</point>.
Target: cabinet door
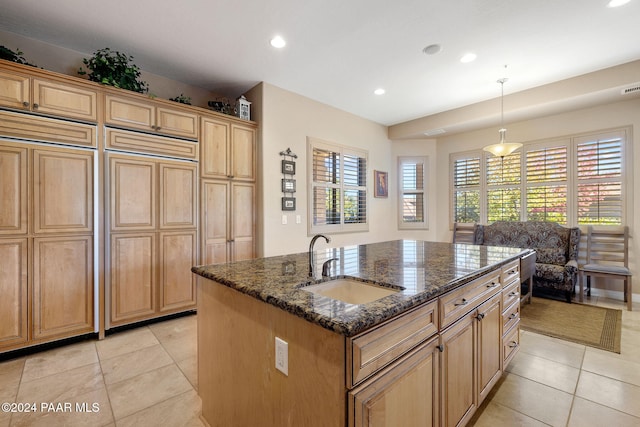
<point>14,90</point>
<point>243,152</point>
<point>60,99</point>
<point>405,394</point>
<point>214,145</point>
<point>175,122</point>
<point>489,345</point>
<point>132,193</point>
<point>177,283</point>
<point>62,286</point>
<point>63,191</point>
<point>13,288</point>
<point>13,189</point>
<point>459,395</point>
<point>242,221</point>
<point>130,113</point>
<point>178,195</point>
<point>132,277</point>
<point>215,208</point>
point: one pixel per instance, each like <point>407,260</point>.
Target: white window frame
<point>342,227</point>
<point>571,182</point>
<point>413,225</point>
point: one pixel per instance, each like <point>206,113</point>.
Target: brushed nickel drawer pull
<point>492,285</point>
<point>513,344</point>
<point>513,294</point>
<point>464,302</point>
<point>513,316</point>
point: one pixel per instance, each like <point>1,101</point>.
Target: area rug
<point>584,324</point>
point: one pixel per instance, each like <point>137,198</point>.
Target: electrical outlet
<point>282,356</point>
<point>284,220</point>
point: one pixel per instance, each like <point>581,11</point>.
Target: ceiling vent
<point>631,89</point>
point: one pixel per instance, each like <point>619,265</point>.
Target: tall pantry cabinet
<point>47,209</point>
<point>106,198</point>
<point>228,171</point>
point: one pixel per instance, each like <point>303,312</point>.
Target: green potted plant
<point>9,55</point>
<point>114,69</point>
<point>182,99</point>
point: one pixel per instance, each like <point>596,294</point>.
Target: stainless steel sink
<point>352,291</point>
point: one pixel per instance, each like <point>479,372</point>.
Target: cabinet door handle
<point>158,128</point>
<point>464,302</point>
<point>480,316</point>
<point>440,347</point>
<point>35,106</point>
<point>492,285</point>
<point>25,104</point>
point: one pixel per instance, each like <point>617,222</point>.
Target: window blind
<point>466,189</point>
<point>503,188</point>
<point>599,186</point>
<point>546,180</point>
<point>412,196</point>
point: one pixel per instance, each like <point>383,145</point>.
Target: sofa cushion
<point>550,272</point>
<point>556,256</point>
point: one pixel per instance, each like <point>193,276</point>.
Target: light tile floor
<point>145,376</point>
<point>148,377</point>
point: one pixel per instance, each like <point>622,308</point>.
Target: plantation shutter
<point>503,188</point>
<point>412,192</point>
<point>466,189</point>
<point>546,184</point>
<point>599,186</point>
<point>338,187</point>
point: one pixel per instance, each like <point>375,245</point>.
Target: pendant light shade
<point>503,148</point>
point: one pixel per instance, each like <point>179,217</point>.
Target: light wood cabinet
<point>150,116</point>
<point>46,240</point>
<point>62,286</point>
<point>459,366</point>
<point>228,221</point>
<point>405,394</point>
<point>227,150</point>
<point>153,236</point>
<point>14,324</point>
<point>489,317</point>
<point>48,97</point>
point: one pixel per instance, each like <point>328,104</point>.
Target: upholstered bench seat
<point>556,250</point>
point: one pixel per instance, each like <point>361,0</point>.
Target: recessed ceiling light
<point>468,57</point>
<point>432,49</point>
<point>616,3</point>
<point>379,91</point>
<point>278,42</point>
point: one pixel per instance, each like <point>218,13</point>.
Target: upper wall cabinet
<point>227,150</point>
<point>48,97</point>
<point>150,116</point>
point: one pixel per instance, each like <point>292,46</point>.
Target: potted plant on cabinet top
<point>114,69</point>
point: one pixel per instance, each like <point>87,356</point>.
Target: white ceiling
<point>339,51</point>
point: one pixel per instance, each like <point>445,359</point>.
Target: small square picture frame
<point>288,185</point>
<point>288,203</point>
<point>288,167</point>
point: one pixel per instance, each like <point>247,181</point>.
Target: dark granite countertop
<point>424,269</point>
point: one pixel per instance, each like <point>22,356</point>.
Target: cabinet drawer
<point>374,349</point>
<point>35,128</point>
<point>510,294</point>
<point>510,272</point>
<point>511,315</point>
<point>148,144</point>
<point>458,302</point>
<point>510,344</point>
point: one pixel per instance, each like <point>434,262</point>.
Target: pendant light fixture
<point>503,148</point>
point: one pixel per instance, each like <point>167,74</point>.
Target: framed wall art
<point>381,184</point>
<point>288,203</point>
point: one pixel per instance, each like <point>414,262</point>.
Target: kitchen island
<point>447,329</point>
